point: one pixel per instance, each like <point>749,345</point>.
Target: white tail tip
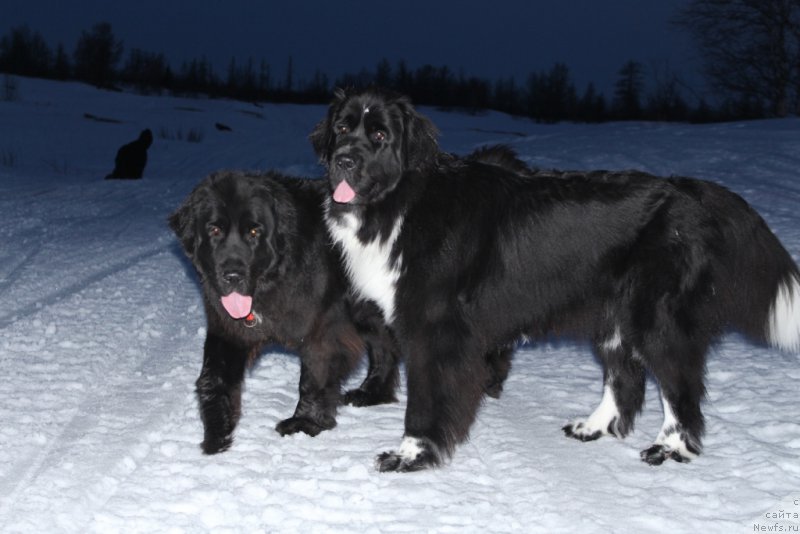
<point>784,316</point>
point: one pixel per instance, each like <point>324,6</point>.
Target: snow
<point>101,333</point>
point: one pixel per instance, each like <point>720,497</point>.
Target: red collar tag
<point>251,320</point>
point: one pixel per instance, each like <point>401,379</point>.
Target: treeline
<point>547,96</point>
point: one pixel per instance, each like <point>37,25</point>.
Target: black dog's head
<point>368,140</point>
<point>146,138</point>
<point>229,228</point>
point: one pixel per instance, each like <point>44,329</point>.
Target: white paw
<point>603,421</point>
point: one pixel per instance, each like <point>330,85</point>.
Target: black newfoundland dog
<point>465,255</point>
<point>271,276</point>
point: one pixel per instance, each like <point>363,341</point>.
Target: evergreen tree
<point>628,92</point>
<point>289,76</point>
<point>592,105</point>
<point>264,79</point>
<point>148,72</point>
<point>506,97</point>
<point>97,54</point>
<point>403,80</point>
<point>25,52</point>
<point>383,73</point>
<point>551,95</point>
<point>62,69</point>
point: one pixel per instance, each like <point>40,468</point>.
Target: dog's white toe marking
<point>602,421</point>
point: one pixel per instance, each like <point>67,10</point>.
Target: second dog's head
<point>368,140</point>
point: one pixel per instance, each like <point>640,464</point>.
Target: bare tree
<point>751,49</point>
<point>664,101</point>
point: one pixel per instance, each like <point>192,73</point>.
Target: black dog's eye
<point>254,233</point>
<point>342,129</point>
<point>378,135</point>
<point>214,231</point>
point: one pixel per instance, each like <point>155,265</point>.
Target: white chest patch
<point>370,268</point>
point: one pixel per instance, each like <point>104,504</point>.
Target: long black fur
<point>650,271</point>
<point>263,235</point>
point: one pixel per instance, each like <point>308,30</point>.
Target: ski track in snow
<point>102,326</point>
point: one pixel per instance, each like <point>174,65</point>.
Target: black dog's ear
<point>322,136</point>
<point>183,223</point>
<point>419,137</point>
<point>340,94</point>
<point>279,216</point>
<point>146,138</point>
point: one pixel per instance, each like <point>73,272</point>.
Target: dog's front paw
<point>582,431</point>
<point>216,444</point>
<point>593,428</point>
<point>305,425</point>
<point>415,454</point>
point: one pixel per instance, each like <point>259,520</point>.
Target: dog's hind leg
<point>679,371</point>
<point>383,373</point>
<point>676,440</point>
<point>623,392</point>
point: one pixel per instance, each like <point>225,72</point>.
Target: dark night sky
<point>485,38</point>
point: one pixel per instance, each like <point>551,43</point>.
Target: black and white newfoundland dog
<point>467,255</point>
<point>270,275</point>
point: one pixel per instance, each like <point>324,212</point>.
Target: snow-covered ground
<point>101,332</point>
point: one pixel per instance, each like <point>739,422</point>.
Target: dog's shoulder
<point>309,191</point>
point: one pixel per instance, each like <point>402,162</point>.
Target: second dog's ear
<point>185,219</point>
<point>321,136</point>
<point>419,137</point>
<point>183,224</point>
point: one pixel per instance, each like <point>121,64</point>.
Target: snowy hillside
<point>101,333</point>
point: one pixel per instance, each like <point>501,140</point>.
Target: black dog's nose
<point>345,162</point>
<point>232,277</point>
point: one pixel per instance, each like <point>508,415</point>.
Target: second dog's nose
<point>345,162</point>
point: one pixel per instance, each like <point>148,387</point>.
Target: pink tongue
<point>238,306</point>
<point>344,193</point>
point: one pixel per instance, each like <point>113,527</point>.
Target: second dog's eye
<point>254,233</point>
<point>214,231</point>
<point>342,129</point>
<point>378,135</point>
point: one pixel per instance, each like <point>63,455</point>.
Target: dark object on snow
<point>108,120</point>
<point>131,158</point>
<point>222,127</point>
<point>270,275</point>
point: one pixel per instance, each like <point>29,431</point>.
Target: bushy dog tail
<point>783,325</point>
<point>759,282</point>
